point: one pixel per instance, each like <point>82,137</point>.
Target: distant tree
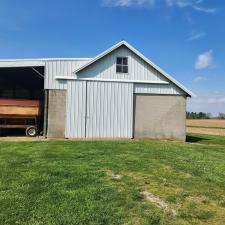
<point>221,116</point>
<point>200,115</point>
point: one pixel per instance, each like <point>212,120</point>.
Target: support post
<point>45,127</point>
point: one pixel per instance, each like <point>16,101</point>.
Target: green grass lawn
<point>65,182</point>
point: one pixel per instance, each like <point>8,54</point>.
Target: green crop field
<point>102,182</point>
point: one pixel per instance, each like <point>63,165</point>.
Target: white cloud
<point>195,36</point>
<point>181,3</point>
<point>205,10</point>
<point>212,102</point>
<point>128,3</point>
<point>192,4</point>
<point>204,60</point>
<point>199,79</point>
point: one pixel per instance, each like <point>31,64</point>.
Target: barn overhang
<point>21,63</point>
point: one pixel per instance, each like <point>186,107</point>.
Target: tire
<point>31,131</point>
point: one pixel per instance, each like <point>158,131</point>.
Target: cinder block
<point>56,113</point>
<point>160,116</point>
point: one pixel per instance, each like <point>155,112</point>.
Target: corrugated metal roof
<point>35,62</point>
<point>44,59</point>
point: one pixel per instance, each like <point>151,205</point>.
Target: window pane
<point>119,60</point>
<point>125,61</point>
<point>125,69</point>
<point>119,69</point>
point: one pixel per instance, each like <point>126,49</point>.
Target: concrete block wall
<point>160,116</point>
<point>56,113</point>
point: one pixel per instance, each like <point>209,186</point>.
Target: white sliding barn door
<point>109,112</point>
<point>76,109</point>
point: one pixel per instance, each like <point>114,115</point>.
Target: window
<point>122,65</point>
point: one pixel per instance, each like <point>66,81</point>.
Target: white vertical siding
<point>106,68</point>
<point>108,108</point>
<point>161,89</point>
<point>75,110</point>
<point>61,67</point>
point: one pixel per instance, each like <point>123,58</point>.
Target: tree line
<point>202,115</point>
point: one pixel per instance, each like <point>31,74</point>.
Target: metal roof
<point>35,62</point>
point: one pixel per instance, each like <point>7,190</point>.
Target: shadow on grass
<point>12,133</point>
<point>194,139</point>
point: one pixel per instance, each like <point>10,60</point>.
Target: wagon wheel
<point>31,131</point>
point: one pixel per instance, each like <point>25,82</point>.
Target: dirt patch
<point>158,202</point>
<point>113,175</point>
<point>209,131</point>
<point>198,199</point>
<point>206,123</point>
<point>211,127</point>
<point>14,138</point>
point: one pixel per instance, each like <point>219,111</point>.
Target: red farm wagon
<point>19,113</point>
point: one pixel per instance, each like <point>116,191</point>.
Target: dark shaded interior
<point>22,83</point>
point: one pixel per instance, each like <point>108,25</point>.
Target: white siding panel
<point>109,110</point>
<point>76,107</point>
<point>106,68</point>
<point>162,89</point>
<point>62,67</point>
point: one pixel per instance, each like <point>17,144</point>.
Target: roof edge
<point>44,59</point>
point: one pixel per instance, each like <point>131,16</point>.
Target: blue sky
<point>184,37</point>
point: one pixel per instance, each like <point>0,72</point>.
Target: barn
<point>117,94</point>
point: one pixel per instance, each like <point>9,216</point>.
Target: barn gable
<point>140,69</point>
<point>105,68</point>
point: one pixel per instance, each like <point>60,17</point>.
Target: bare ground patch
<point>147,195</point>
<point>113,175</point>
<point>206,123</point>
<point>210,131</point>
<point>24,138</point>
<point>208,126</point>
<point>159,202</point>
